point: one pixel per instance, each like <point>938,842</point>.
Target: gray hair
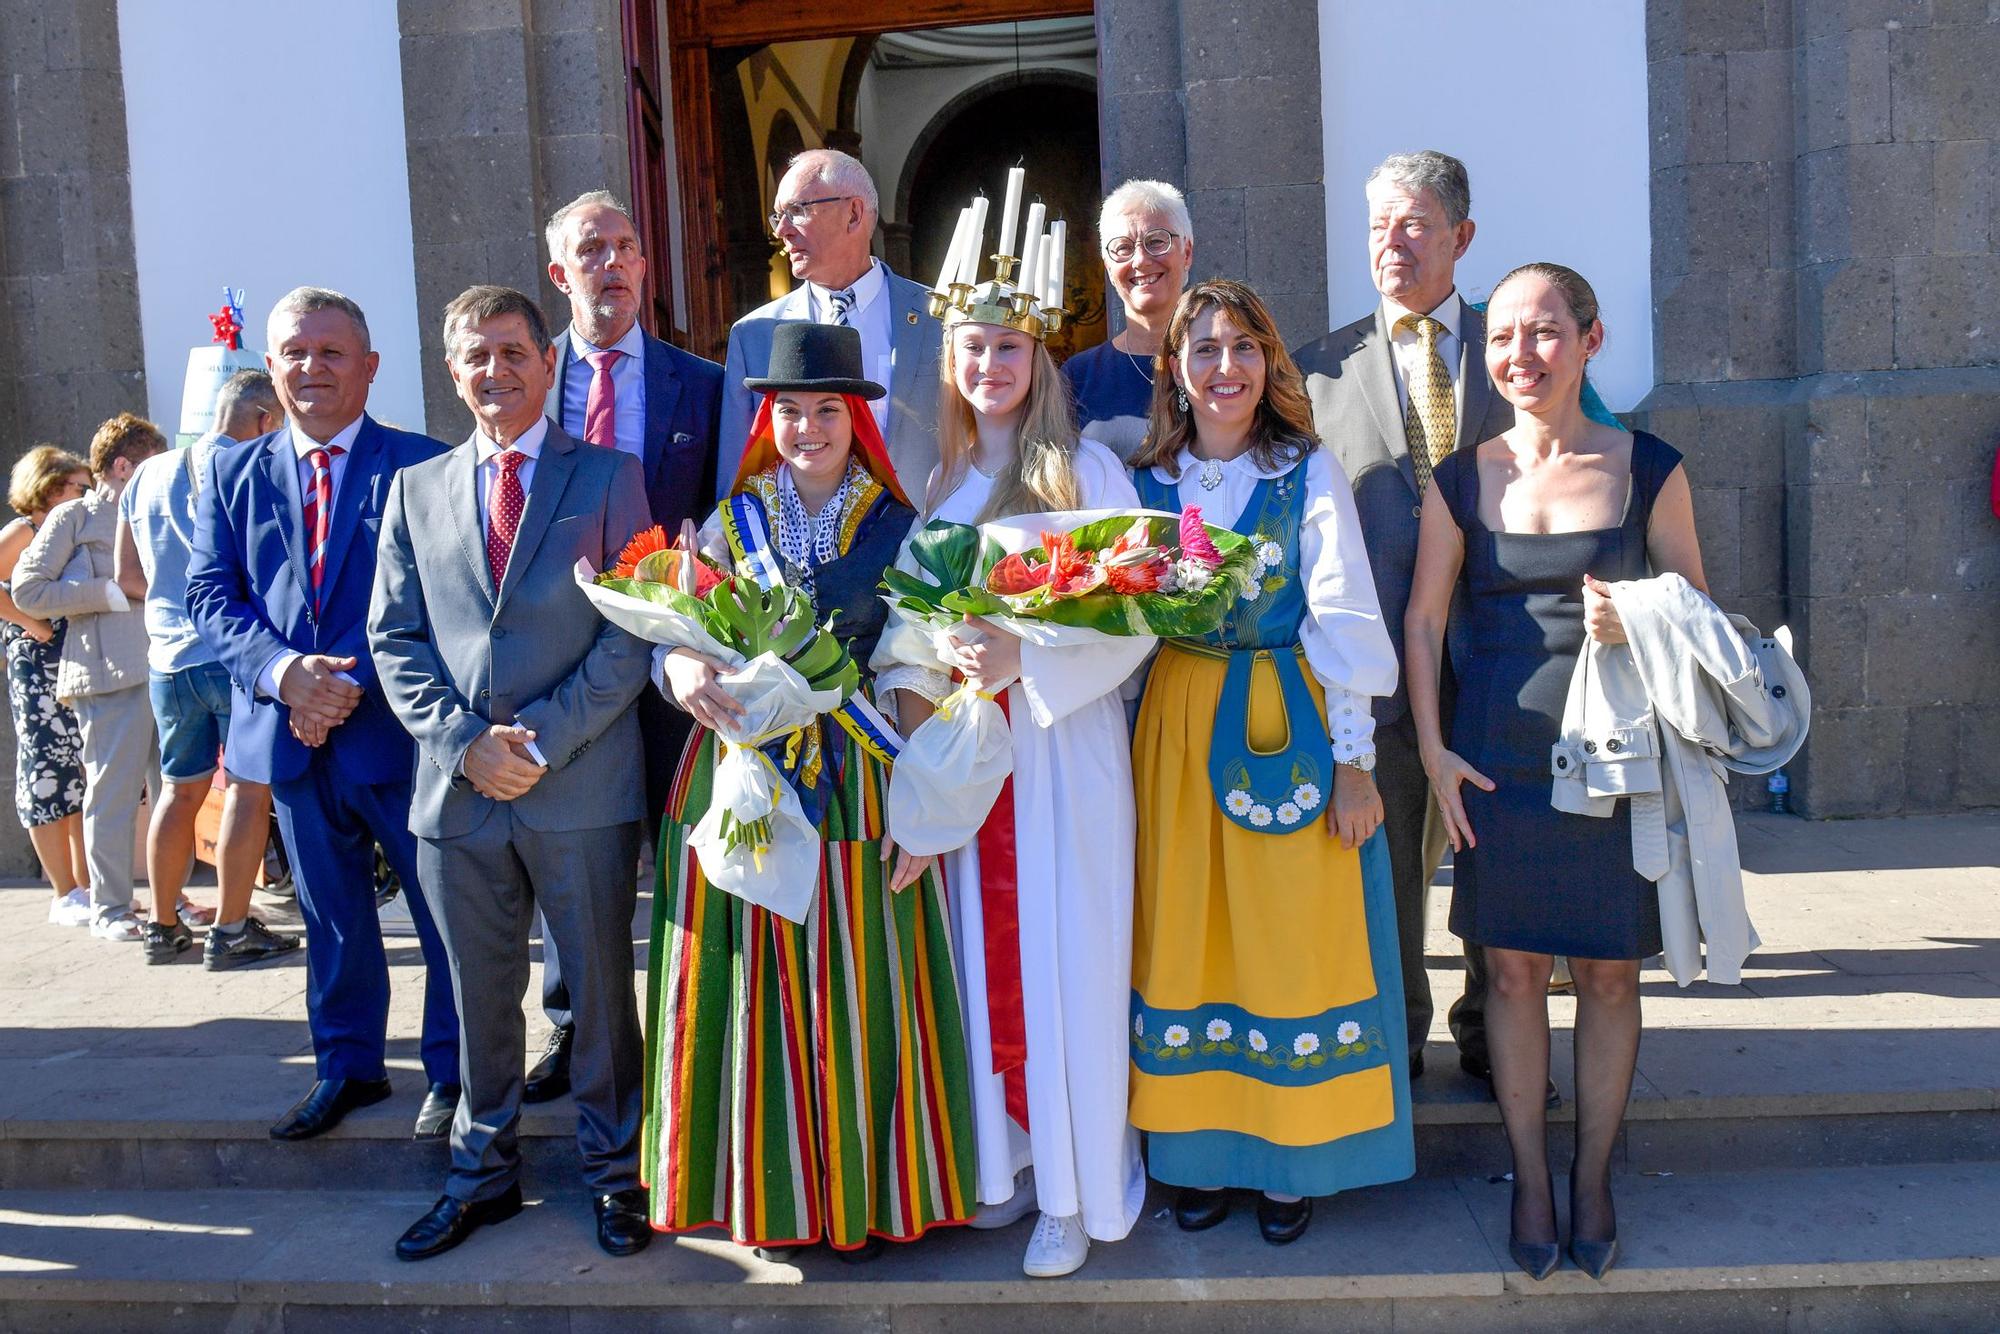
<point>838,171</point>
<point>476,305</point>
<point>306,300</point>
<point>1145,197</point>
<point>552,234</point>
<point>245,391</point>
<point>1440,173</point>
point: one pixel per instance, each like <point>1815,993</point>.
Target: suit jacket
<point>683,400</point>
<point>1351,379</point>
<point>250,595</point>
<point>918,344</point>
<point>456,654</point>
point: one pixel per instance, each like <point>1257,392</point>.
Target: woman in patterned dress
<point>48,764</point>
<point>807,1082</point>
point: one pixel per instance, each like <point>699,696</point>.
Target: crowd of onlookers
<point>114,695</point>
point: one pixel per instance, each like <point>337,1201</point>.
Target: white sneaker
<point>124,927</point>
<point>1010,1210</point>
<point>1058,1247</point>
<point>72,909</point>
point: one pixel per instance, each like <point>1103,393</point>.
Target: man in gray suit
<point>1392,393</point>
<point>825,218</point>
<point>528,784</point>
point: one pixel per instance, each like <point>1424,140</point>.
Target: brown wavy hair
<point>126,436</point>
<point>1043,473</point>
<point>38,475</point>
<point>1283,430</point>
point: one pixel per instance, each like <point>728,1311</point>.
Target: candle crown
<point>1021,294</point>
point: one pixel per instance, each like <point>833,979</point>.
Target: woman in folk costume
<point>1041,899</point>
<point>806,1082</point>
<point>1267,1021</point>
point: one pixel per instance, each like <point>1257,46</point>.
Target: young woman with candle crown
<point>806,1081</point>
<point>1267,1029</point>
<point>1041,897</point>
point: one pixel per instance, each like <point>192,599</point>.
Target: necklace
<point>1139,364</point>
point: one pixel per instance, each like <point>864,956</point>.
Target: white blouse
<point>1346,644</point>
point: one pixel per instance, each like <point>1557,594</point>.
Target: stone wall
<point>1826,264</point>
<point>512,108</point>
<point>1222,98</point>
<point>70,349</point>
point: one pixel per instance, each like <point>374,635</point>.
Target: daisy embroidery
<point>1305,1044</point>
<point>1175,1036</point>
<point>1218,1030</point>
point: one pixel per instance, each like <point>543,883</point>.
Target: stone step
<point>1907,1247</point>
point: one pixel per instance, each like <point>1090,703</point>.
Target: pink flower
<point>1195,544</point>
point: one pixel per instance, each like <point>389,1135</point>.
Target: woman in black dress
<point>1526,528</point>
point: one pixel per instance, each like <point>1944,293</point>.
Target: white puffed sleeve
<point>1059,681</point>
<point>1346,644</point>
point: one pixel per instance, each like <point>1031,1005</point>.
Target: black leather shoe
<point>451,1221</point>
<point>1200,1210</point>
<point>330,1100</point>
<point>548,1079</point>
<point>1537,1259</point>
<point>434,1117</point>
<point>1283,1221</point>
<point>622,1228</point>
<point>1594,1258</point>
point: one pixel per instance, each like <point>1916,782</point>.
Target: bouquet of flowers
<point>1117,574</point>
<point>758,840</point>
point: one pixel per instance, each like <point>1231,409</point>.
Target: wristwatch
<point>1365,763</point>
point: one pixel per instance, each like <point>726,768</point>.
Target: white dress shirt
<point>1406,350</point>
<point>869,316</point>
<point>486,474</point>
<point>628,389</point>
<point>303,445</point>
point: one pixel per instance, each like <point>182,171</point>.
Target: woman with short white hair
<point>1147,241</point>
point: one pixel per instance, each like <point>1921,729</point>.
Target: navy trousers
<point>331,826</point>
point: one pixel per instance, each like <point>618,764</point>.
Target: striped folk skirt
<point>804,1082</point>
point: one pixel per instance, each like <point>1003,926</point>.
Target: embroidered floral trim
<point>1305,1049</point>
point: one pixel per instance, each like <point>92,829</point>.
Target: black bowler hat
<point>825,357</point>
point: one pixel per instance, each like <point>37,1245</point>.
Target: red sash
<point>1000,918</point>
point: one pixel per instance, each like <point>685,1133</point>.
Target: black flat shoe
<point>861,1254</point>
<point>451,1221</point>
<point>329,1101</point>
<point>435,1116</point>
<point>1200,1210</point>
<point>1283,1221</point>
<point>548,1079</point>
<point>622,1228</point>
<point>781,1255</point>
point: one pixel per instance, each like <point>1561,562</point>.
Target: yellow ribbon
<point>965,694</point>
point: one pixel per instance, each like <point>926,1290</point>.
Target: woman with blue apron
<point>1267,1007</point>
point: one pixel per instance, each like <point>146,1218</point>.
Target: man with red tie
<point>620,387</point>
<point>278,587</point>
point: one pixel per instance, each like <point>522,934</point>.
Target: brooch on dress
<point>1211,474</point>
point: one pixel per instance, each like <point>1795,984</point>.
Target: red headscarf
<point>761,450</point>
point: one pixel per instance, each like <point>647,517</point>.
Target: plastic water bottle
<point>1779,787</point>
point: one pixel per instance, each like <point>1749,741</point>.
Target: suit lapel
<point>1378,386</point>
<point>906,338</point>
<point>356,480</point>
<point>462,503</point>
<point>552,473</point>
<point>663,395</point>
<point>1475,385</point>
<point>281,465</point>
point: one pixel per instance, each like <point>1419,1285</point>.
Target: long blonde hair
<point>1283,431</point>
<point>1042,475</point>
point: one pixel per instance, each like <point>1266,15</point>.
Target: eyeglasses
<point>1156,241</point>
<point>796,213</point>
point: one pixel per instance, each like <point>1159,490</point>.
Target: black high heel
<point>1537,1259</point>
<point>1594,1258</point>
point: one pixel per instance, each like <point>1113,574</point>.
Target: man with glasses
<point>824,219</point>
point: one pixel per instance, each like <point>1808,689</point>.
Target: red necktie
<point>503,513</point>
<point>318,511</point>
<point>600,415</point>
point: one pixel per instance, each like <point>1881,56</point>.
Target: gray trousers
<point>484,889</point>
<point>121,759</point>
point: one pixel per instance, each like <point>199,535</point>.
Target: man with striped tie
<point>1392,394</point>
<point>824,218</point>
<point>278,587</point>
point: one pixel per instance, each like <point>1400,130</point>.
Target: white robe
<point>1075,823</point>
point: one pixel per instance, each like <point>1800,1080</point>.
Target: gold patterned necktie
<point>1430,422</point>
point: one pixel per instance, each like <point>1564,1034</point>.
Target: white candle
<point>1045,271</point>
<point>962,255</point>
<point>1031,248</point>
<point>1011,209</point>
<point>975,244</point>
<point>954,253</point>
<point>1058,240</point>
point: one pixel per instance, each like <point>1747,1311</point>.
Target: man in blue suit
<point>282,570</point>
<point>825,220</point>
<point>618,386</point>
